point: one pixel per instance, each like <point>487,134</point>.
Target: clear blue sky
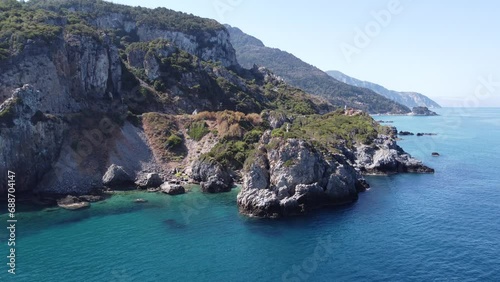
<point>438,48</point>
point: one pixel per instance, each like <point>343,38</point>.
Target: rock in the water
<point>213,177</point>
<point>116,176</point>
<point>384,156</point>
<point>91,198</point>
<point>172,189</point>
<point>435,154</point>
<point>150,180</point>
<point>428,134</point>
<point>405,133</point>
<point>72,203</point>
<point>140,200</point>
<point>215,185</point>
<point>293,177</point>
<point>422,111</point>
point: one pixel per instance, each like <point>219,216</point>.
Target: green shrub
<point>197,130</point>
<point>173,141</point>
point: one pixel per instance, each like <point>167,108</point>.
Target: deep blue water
<point>441,227</point>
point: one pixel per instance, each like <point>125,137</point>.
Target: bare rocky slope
<point>96,95</point>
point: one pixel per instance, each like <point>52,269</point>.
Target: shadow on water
<point>174,224</point>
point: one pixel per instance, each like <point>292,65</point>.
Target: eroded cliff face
<point>209,46</point>
<point>72,74</point>
<point>290,176</point>
<point>30,139</point>
<point>64,80</point>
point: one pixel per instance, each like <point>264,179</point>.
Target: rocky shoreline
<point>293,177</point>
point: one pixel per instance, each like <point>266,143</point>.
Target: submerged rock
<point>72,203</point>
<point>91,198</point>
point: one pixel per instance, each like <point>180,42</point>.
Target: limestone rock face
<point>213,177</point>
<point>30,139</point>
<point>215,47</point>
<point>292,176</point>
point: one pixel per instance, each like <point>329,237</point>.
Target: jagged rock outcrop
<point>215,47</point>
<point>30,139</point>
<point>172,189</point>
<point>384,156</point>
<point>213,177</point>
<point>117,177</point>
<point>291,176</point>
<point>149,180</point>
<point>66,86</point>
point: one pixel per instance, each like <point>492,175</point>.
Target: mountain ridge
<point>250,51</point>
<point>407,98</point>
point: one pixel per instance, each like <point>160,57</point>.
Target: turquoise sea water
<point>441,227</point>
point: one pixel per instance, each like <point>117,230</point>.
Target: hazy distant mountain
<point>250,51</point>
<point>409,99</point>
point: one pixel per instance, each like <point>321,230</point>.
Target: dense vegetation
<point>238,133</point>
<point>333,129</point>
<point>250,51</point>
